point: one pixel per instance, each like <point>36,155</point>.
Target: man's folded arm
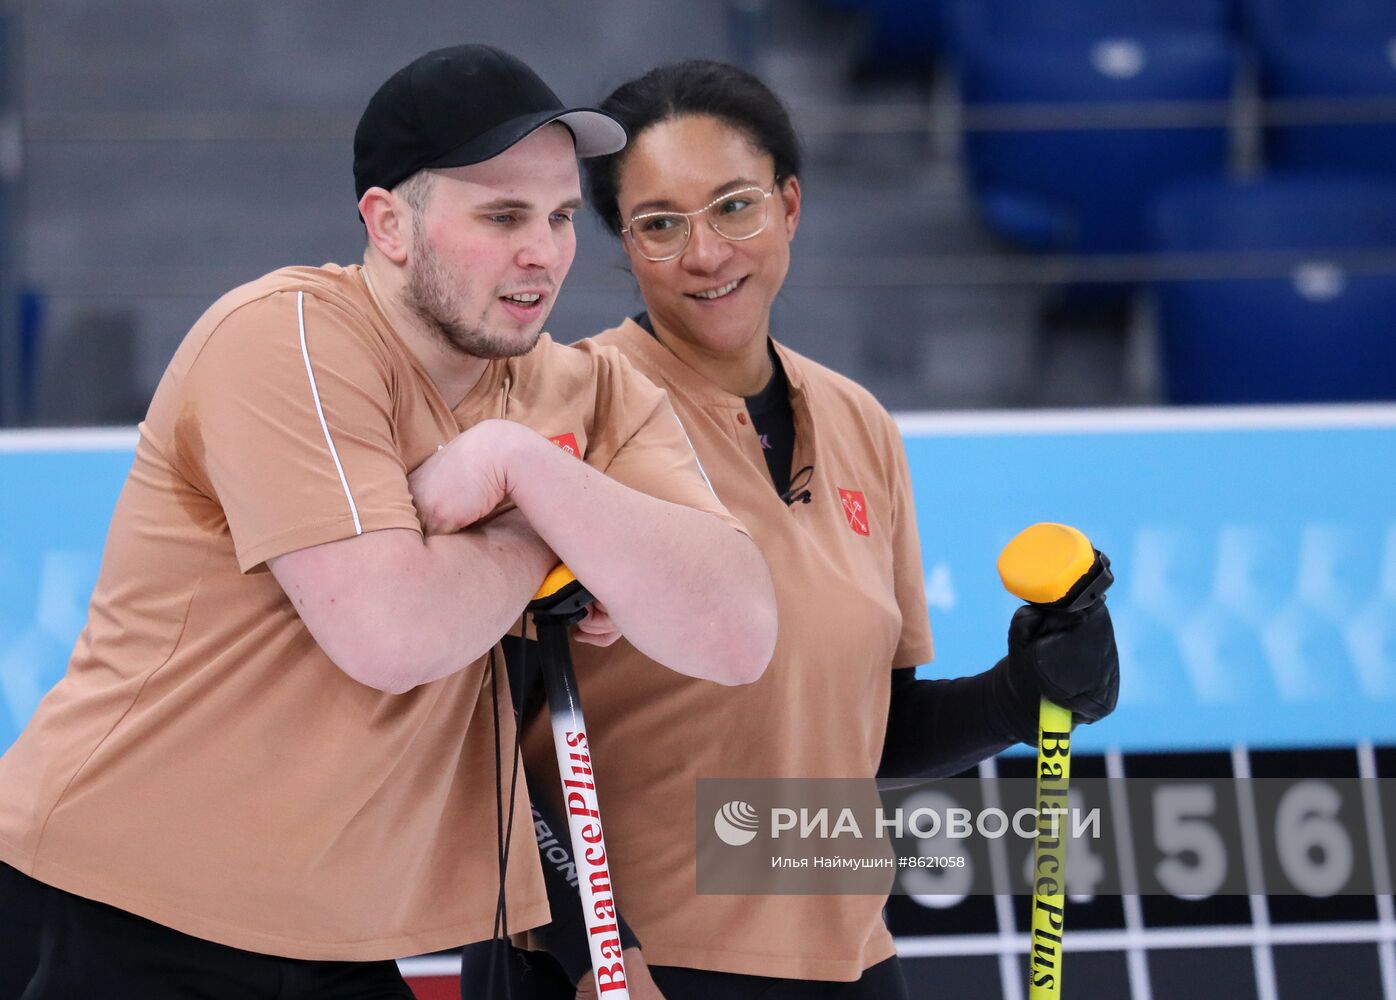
<point>687,588</point>
<point>394,610</point>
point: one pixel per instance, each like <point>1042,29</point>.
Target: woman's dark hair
<point>693,87</point>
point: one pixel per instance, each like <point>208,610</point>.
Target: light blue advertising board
<point>1254,551</point>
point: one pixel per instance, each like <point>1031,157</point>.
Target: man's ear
<point>388,220</point>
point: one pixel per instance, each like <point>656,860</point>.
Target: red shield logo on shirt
<point>855,508</point>
<point>568,443</point>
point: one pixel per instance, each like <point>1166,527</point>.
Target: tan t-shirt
<point>202,763</point>
<point>852,607</point>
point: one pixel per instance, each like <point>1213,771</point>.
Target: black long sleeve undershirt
<point>937,728</point>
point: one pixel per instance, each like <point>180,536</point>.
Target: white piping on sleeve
<point>320,412</point>
<point>696,460</point>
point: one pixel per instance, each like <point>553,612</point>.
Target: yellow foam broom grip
<point>558,577</point>
<point>1044,561</point>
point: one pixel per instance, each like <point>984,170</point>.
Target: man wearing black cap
<point>272,766</point>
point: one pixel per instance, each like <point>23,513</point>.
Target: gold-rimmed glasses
<point>737,215</point>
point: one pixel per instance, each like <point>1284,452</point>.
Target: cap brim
<point>594,132</point>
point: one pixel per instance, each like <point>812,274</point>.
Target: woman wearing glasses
<point>706,201</point>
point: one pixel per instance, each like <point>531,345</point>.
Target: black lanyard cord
<point>504,835</point>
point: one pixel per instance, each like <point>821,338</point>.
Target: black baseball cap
<point>463,105</point>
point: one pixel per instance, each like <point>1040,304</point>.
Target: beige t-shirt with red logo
<point>203,763</point>
<point>850,591</point>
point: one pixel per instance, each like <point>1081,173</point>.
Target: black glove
<point>1067,656</point>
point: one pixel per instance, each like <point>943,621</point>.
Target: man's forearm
<point>394,610</point>
<point>685,588</point>
<point>475,585</point>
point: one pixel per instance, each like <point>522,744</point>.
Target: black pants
<point>57,946</point>
<point>535,976</point>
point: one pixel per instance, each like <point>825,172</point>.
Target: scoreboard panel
<point>1209,936</point>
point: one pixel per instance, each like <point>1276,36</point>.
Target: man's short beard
<point>428,295</point>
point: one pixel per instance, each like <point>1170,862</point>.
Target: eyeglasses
<point>737,215</point>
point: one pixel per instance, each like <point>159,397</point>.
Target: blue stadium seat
<point>904,35</point>
<point>1272,21</point>
<point>1084,189</point>
<point>967,20</point>
<point>1345,67</point>
<point>1325,331</point>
